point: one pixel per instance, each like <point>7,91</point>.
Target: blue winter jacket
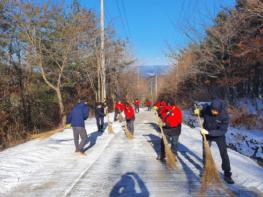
<point>215,125</point>
<point>78,115</point>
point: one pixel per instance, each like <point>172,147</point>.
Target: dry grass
<point>171,158</point>
<point>241,117</point>
<point>47,134</point>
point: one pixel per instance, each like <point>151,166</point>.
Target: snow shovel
<point>211,176</point>
<point>171,158</point>
<point>124,126</point>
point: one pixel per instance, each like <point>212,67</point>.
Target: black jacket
<point>99,110</point>
<point>215,125</point>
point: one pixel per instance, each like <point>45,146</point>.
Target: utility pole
<point>151,89</point>
<point>102,55</point>
<point>156,85</point>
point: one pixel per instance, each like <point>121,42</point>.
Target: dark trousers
<point>221,143</point>
<point>149,108</point>
<point>100,123</point>
<point>130,125</point>
<point>172,136</point>
<point>137,108</point>
<point>79,131</point>
<point>116,113</point>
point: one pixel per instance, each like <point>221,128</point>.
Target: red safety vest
<point>172,116</point>
<point>119,106</point>
<point>129,112</point>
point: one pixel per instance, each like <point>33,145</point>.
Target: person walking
<point>76,118</point>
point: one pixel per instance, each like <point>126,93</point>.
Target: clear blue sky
<point>153,26</point>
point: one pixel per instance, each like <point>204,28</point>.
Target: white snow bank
<point>247,142</point>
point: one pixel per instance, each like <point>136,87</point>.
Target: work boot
<point>228,179</point>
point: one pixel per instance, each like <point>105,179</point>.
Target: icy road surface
<point>116,166</point>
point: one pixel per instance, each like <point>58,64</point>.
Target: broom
<point>171,158</point>
<point>110,128</point>
<point>211,176</point>
<point>124,126</point>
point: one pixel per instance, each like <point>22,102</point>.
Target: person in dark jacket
<point>216,121</point>
<point>171,116</point>
<point>76,118</point>
<point>99,114</point>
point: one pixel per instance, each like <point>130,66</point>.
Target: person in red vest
<point>137,105</point>
<point>159,106</point>
<point>171,116</point>
<point>129,116</point>
<point>149,104</point>
<point>119,107</point>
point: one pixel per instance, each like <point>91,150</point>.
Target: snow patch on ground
<point>30,168</point>
<point>247,142</point>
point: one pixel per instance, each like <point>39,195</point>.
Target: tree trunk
<point>61,107</point>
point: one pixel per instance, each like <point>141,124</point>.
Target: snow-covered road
<point>116,166</point>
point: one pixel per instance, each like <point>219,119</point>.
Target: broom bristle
<point>110,129</point>
<point>211,176</point>
<point>171,158</point>
<point>128,133</point>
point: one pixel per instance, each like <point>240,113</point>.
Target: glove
<point>204,132</point>
<point>162,124</point>
<point>68,126</point>
<point>154,108</point>
<point>197,111</point>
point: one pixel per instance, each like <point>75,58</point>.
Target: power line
<point>125,17</point>
<point>121,16</point>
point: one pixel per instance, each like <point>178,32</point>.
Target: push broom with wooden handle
<point>124,126</point>
<point>171,158</point>
<point>110,128</point>
<point>211,176</point>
